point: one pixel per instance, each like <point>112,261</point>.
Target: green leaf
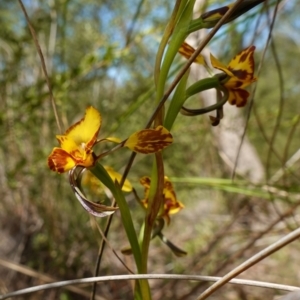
<point>142,289</point>
<point>179,35</point>
<point>177,102</point>
<point>99,171</point>
<point>100,210</point>
<point>239,187</point>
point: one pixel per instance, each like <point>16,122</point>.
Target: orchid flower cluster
<point>77,153</point>
<point>236,76</point>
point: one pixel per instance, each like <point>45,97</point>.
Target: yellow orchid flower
<point>171,204</point>
<point>76,144</point>
<point>239,72</point>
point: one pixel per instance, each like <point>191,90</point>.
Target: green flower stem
<point>202,85</point>
<point>142,290</point>
<point>200,111</point>
<point>164,41</point>
<point>177,101</point>
<point>179,35</point>
<point>197,25</point>
<point>182,94</point>
<point>145,246</point>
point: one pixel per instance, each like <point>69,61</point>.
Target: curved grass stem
<point>250,262</point>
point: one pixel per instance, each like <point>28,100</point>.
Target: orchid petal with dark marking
<point>240,74</point>
<point>187,51</point>
<point>149,140</point>
<point>171,204</point>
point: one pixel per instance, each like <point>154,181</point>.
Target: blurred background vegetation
<point>102,53</point>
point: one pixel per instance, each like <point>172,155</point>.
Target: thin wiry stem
<point>109,245</point>
<point>280,105</point>
<point>44,68</point>
<point>281,99</point>
<point>165,38</point>
<point>250,262</point>
<point>101,250</point>
<point>288,165</point>
<point>61,284</point>
<point>133,22</point>
<point>237,255</point>
<point>252,106</point>
<point>5,263</point>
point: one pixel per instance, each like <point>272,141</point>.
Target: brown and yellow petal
<point>149,140</point>
<point>170,208</point>
<point>60,161</point>
<point>242,65</point>
<point>86,130</point>
<point>169,192</point>
<point>187,51</point>
<point>171,204</point>
<point>173,208</point>
<point>145,182</point>
<point>235,83</point>
<point>238,97</point>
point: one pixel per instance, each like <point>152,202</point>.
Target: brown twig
<point>44,68</point>
<point>41,277</point>
<point>247,246</point>
<point>251,261</point>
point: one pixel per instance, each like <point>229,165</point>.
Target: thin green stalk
<point>142,290</point>
<point>164,41</point>
<point>179,35</point>
<point>178,99</point>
